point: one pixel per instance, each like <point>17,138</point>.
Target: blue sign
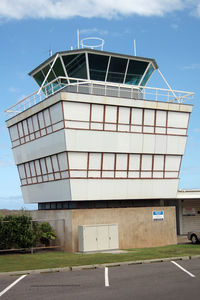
<point>158,215</point>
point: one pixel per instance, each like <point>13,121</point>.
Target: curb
<point>99,266</point>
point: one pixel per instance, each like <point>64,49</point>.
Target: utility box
<point>98,237</point>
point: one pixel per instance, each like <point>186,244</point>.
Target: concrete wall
<point>136,227</point>
<point>61,221</point>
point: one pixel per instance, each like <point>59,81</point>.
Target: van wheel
<point>194,239</point>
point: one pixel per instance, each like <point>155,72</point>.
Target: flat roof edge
<point>100,52</point>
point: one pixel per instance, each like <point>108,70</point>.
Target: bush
<point>46,233</point>
<point>20,232</point>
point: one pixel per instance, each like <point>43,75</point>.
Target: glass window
<point>117,69</point>
<point>39,78</point>
<point>76,65</point>
<point>135,71</point>
<point>58,68</point>
<point>147,75</point>
<point>98,66</point>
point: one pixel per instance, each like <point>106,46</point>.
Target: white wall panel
<point>135,128</point>
<point>24,123</point>
<point>47,117</point>
<point>107,174</point>
<point>98,141</point>
<point>176,144</point>
<point>136,116</point>
<point>146,174</point>
<point>37,167</point>
<point>106,189</point>
<point>172,163</point>
<point>21,171</point>
<point>176,131</point>
<point>49,165</point>
<point>111,114</point>
<point>161,118</point>
<point>110,127</point>
<point>77,160</point>
<point>77,111</point>
<point>146,162</point>
<point>56,112</point>
<point>148,143</point>
<point>95,161</point>
<point>108,161</point>
<point>21,133</point>
<point>178,119</point>
<point>124,115</point>
<point>132,174</point>
<point>32,168</point>
<point>42,147</point>
<point>94,174</point>
<point>134,161</point>
<point>62,158</point>
<point>147,129</point>
<point>76,124</point>
<point>47,192</point>
<point>30,124</point>
<point>160,130</point>
<point>161,144</point>
<point>121,174</point>
<point>149,115</point>
<point>158,162</point>
<point>55,163</point>
<point>13,132</point>
<point>97,113</point>
<point>41,120</point>
<point>43,166</point>
<point>96,126</point>
<point>35,122</point>
<point>121,161</point>
<point>171,174</point>
<point>123,128</point>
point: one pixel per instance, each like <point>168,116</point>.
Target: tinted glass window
<point>58,68</point>
<point>147,75</point>
<point>135,71</point>
<point>98,66</point>
<point>39,77</point>
<point>117,69</point>
<point>76,65</point>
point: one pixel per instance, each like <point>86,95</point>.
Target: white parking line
<point>106,277</point>
<point>183,269</point>
<point>11,285</point>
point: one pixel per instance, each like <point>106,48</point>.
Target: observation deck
<point>88,71</point>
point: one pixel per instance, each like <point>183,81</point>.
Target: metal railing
<point>74,85</point>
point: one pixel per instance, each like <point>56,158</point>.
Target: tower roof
<point>95,65</point>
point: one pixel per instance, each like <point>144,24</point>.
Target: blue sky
<point>167,30</point>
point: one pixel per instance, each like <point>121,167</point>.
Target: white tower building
<point>95,136</point>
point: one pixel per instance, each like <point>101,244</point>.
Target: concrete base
<point>136,226</point>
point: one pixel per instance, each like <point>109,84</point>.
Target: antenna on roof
<point>78,44</point>
<point>50,52</point>
<point>134,47</point>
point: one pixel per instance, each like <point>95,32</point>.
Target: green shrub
<point>19,231</point>
<point>46,233</point>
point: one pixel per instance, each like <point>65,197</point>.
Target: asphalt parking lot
<point>166,280</point>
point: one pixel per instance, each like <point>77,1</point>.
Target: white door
<point>90,238</point>
<point>113,237</point>
<point>102,237</point>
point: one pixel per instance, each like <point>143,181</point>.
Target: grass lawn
<point>56,259</point>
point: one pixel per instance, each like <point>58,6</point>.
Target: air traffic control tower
<point>94,135</point>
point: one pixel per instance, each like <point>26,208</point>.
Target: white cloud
<point>93,31</point>
<point>192,67</point>
<point>63,9</point>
